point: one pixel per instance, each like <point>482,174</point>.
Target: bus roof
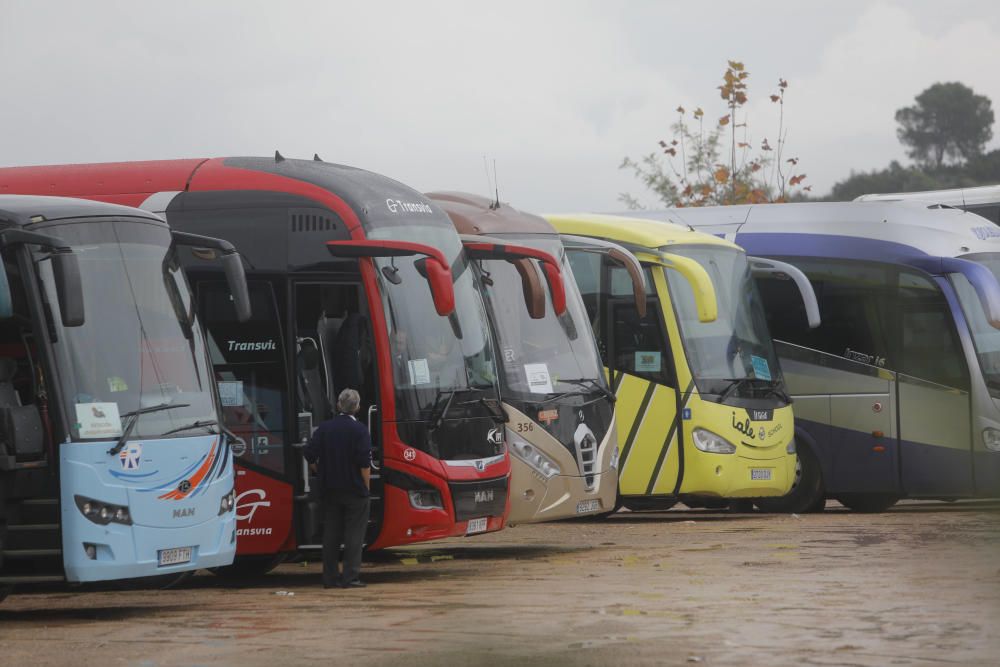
<point>363,199</point>
<point>631,230</point>
<point>983,194</point>
<point>876,230</point>
<point>28,209</point>
<point>473,214</point>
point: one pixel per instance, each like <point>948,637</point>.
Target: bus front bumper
<point>534,499</point>
<point>98,553</point>
<point>734,476</point>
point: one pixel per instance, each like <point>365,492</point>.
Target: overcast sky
<point>556,92</point>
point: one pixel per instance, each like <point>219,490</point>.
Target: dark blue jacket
<point>343,447</point>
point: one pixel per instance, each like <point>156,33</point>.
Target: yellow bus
<point>703,415</point>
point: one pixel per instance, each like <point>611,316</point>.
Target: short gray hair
<point>348,402</point>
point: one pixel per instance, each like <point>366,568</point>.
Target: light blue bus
<point>113,463</point>
<point>897,393</point>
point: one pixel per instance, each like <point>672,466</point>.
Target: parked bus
<point>702,411</point>
<point>898,391</point>
<point>356,281</point>
<point>983,200</point>
<point>561,434</point>
<point>113,461</point>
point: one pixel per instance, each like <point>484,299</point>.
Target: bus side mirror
<point>6,301</point>
<point>531,288</point>
<point>619,255</point>
<point>699,280</point>
<point>69,288</point>
<point>232,264</point>
<point>981,278</point>
<point>236,278</point>
<point>771,267</point>
<point>438,279</point>
<point>65,271</point>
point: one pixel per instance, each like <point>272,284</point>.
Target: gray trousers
<point>345,518</point>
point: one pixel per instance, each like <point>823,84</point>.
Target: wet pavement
<point>918,585</point>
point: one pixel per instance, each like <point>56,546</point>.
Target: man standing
<point>343,448</point>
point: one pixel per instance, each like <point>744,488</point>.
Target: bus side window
<point>639,343</point>
<point>851,299</point>
<point>930,347</point>
<point>586,268</point>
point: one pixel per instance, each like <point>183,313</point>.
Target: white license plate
<point>760,474</point>
<point>476,526</point>
<point>174,556</point>
<point>585,506</point>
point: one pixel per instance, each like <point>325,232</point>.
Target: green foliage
<point>691,170</point>
<point>981,170</point>
<point>948,121</point>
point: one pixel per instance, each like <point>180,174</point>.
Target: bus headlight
<point>790,449</point>
<point>103,513</point>
<point>707,441</point>
<point>991,439</point>
<point>227,502</point>
<point>425,499</point>
<point>614,458</point>
<point>531,455</point>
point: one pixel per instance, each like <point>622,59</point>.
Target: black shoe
<point>357,583</point>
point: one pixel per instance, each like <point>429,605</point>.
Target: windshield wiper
<point>133,418</point>
<point>434,421</point>
<point>595,384</point>
<point>734,384</point>
<point>775,389</point>
<point>203,423</point>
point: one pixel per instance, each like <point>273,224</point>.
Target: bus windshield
<point>538,356</point>
<point>985,337</point>
<point>737,345</point>
<point>141,345</point>
<point>433,355</point>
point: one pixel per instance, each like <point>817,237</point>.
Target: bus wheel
<point>248,567</point>
<point>807,494</point>
<point>868,502</point>
<point>648,504</point>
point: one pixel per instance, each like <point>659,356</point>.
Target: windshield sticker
<point>98,420</point>
<point>647,362</point>
<point>420,372</point>
<point>231,393</point>
<point>539,380</point>
<point>508,355</point>
<point>760,368</point>
<point>116,384</point>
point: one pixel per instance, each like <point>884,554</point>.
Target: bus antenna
<point>317,158</point>
<point>496,187</point>
<point>278,157</point>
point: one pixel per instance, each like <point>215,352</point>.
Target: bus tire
<point>648,504</point>
<point>248,567</point>
<point>868,503</point>
<point>807,493</point>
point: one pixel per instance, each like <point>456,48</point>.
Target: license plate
<point>760,474</point>
<point>174,556</point>
<point>585,506</point>
<point>476,526</point>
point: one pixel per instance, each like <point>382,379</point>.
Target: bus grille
<point>478,499</point>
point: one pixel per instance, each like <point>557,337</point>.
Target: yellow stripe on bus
<point>656,420</point>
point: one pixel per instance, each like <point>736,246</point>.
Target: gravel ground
<point>918,585</point>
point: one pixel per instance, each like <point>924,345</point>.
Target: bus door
<point>935,415</point>
<point>641,367</point>
<point>249,365</point>
<point>334,351</point>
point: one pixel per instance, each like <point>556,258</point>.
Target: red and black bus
<point>356,281</point>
